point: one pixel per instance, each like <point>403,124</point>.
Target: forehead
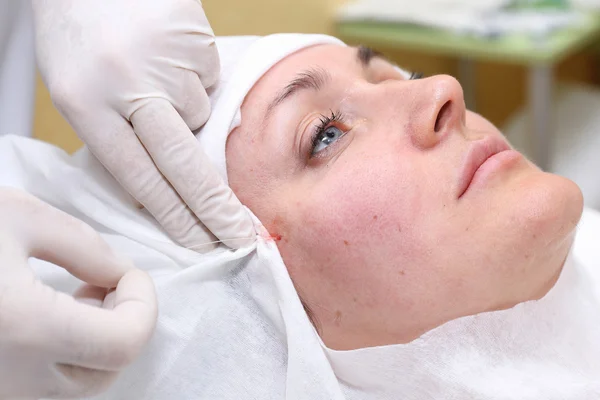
<point>325,56</point>
<point>339,61</point>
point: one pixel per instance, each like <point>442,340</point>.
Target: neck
<point>554,261</point>
<point>528,351</point>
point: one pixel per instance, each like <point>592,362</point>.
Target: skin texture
<point>373,232</point>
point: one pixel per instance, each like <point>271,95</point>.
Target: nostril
<point>443,116</point>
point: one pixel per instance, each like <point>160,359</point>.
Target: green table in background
<point>539,56</point>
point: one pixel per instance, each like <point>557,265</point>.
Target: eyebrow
<point>316,78</point>
<point>365,54</point>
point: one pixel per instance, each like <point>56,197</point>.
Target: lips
<point>477,154</point>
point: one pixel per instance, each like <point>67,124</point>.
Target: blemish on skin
<point>354,299</point>
<point>402,273</point>
<point>277,220</point>
<point>374,217</point>
<point>346,242</point>
<point>275,226</point>
<point>338,318</point>
<point>275,238</point>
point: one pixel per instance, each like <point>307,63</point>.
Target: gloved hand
<point>52,345</point>
<point>130,77</point>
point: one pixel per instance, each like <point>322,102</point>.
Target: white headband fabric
<point>244,60</point>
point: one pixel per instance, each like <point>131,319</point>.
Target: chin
<point>560,202</point>
<point>549,208</point>
<point>543,200</point>
<point>540,227</point>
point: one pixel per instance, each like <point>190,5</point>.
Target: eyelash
<point>325,123</point>
<point>337,117</point>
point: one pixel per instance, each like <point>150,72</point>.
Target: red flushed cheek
<point>354,221</point>
<point>350,218</point>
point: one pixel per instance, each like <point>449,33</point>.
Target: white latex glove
<point>130,77</point>
<point>52,345</point>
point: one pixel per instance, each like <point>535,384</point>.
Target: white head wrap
<point>244,60</point>
<point>231,325</point>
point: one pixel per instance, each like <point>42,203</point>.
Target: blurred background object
<point>489,18</point>
<point>508,54</point>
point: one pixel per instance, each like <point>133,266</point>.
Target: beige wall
<point>261,17</point>
<point>49,125</point>
<point>500,89</point>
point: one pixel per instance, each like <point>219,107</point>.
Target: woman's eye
<point>325,138</point>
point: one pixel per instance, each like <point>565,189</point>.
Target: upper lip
<point>477,154</point>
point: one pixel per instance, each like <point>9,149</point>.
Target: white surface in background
<point>483,18</point>
<point>587,4</point>
<point>575,150</point>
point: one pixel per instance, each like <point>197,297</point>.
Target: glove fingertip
<point>136,291</point>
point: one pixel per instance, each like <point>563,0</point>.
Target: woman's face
<point>367,178</point>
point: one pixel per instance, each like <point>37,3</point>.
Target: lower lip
<point>498,162</point>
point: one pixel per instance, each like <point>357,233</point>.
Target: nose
<point>439,109</point>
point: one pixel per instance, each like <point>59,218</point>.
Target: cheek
<point>360,203</point>
<point>362,213</point>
